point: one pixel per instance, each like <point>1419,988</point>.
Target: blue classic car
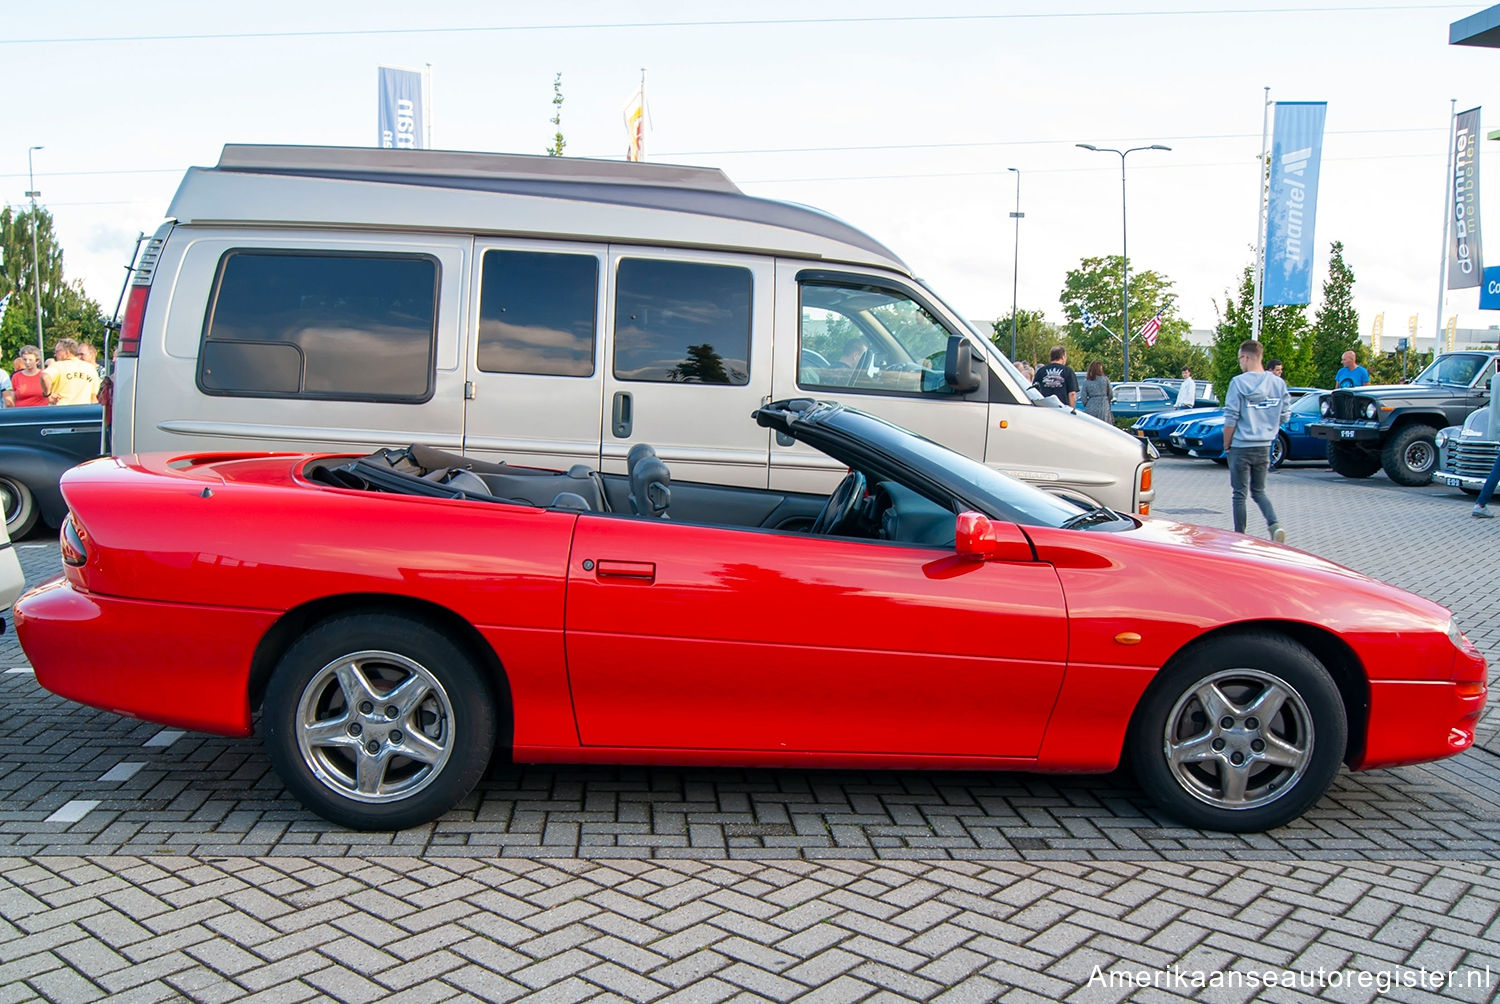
<point>36,446</point>
<point>1157,427</point>
<point>1204,436</point>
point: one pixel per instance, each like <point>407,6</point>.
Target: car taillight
<point>73,551</point>
<point>135,315</point>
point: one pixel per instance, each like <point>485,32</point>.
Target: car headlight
<point>1440,439</point>
<point>1370,410</point>
<point>1324,408</point>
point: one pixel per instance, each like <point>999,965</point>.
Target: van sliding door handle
<point>622,419</point>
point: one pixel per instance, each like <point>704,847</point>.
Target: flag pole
<point>1263,173</point>
<point>1448,196</point>
<point>427,100</point>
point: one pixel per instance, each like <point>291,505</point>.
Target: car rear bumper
<point>1345,432</point>
<point>1414,722</point>
<point>161,662</point>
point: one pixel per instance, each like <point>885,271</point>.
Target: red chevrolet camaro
<point>395,617</point>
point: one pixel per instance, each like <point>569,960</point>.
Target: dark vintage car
<point>1467,452</point>
<point>1395,427</point>
<point>36,446</point>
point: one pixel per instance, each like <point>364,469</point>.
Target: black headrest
<point>650,487</point>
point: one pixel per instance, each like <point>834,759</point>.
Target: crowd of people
<point>71,376</point>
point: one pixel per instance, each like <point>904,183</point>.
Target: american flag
<point>1148,333</point>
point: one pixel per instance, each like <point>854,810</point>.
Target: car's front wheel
<point>1410,455</point>
<point>1279,449</point>
<point>19,506</point>
<point>1243,734</point>
<point>378,722</point>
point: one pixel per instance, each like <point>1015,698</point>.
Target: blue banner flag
<point>1296,150</point>
<point>400,124</point>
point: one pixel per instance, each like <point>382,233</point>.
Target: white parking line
<point>20,669</point>
<point>165,737</point>
<point>73,811</point>
<point>122,771</point>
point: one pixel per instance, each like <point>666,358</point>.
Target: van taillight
<point>130,328</point>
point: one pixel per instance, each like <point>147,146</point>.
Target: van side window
<point>870,339</point>
<point>322,325</point>
<point>682,322</point>
<point>537,312</point>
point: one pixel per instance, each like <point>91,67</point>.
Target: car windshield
<point>1457,368</point>
<point>1307,404</point>
<point>995,494</point>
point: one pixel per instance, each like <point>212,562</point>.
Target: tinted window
<point>1153,394</point>
<point>682,322</point>
<point>323,326</point>
<point>536,313</point>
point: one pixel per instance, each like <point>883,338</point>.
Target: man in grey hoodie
<point>1254,408</point>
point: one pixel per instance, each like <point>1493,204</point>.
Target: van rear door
<point>536,317</point>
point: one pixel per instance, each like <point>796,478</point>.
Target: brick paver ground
<point>144,864</point>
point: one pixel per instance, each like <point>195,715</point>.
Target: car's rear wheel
<point>19,507</point>
<point>1279,449</point>
<point>1352,461</point>
<point>1410,455</point>
<point>378,722</point>
<point>1243,734</point>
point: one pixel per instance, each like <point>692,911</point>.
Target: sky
<point>902,119</point>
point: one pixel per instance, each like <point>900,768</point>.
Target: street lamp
<point>1124,247</point>
<point>36,263</point>
<point>1015,274</point>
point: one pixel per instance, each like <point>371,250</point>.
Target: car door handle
<point>634,571</point>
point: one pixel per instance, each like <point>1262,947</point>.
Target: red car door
<point>695,637</point>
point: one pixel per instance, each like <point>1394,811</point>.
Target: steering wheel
<point>841,505</point>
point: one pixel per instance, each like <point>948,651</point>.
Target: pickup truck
<point>36,446</point>
<point>1395,427</point>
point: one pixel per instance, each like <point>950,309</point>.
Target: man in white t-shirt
<point>1187,394</point>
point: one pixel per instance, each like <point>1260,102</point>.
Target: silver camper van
<point>554,311</point>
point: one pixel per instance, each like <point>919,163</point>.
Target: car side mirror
<point>980,538</point>
<point>958,366</point>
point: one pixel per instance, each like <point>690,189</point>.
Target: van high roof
<point>513,194</point>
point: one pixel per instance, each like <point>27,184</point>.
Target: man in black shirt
<point>1056,379</point>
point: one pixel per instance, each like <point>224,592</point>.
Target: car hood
<point>1403,391</point>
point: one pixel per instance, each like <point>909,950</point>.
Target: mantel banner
<point>1291,209</point>
<point>1465,259</point>
<point>400,123</point>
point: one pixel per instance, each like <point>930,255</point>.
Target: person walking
<point>1254,408</point>
<point>1481,508</point>
<point>29,384</point>
<point>1187,394</point>
<point>1055,379</point>
<point>1093,394</point>
<point>1351,374</point>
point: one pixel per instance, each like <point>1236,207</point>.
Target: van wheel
<point>1243,734</point>
<point>19,506</point>
<point>378,722</point>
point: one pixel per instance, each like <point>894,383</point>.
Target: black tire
<point>1307,732</point>
<point>310,723</point>
<point>1411,455</point>
<point>1352,461</point>
<point>19,507</point>
<point>1279,449</point>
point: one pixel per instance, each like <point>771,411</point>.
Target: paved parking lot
<point>151,864</point>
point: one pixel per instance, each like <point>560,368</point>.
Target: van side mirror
<point>980,538</point>
<point>958,366</point>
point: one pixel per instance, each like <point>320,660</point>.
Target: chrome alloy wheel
<point>1238,739</point>
<point>1420,456</point>
<point>375,726</point>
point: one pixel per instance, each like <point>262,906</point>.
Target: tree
<point>556,150</point>
<point>67,312</point>
<point>1336,324</point>
<point>1284,335</point>
<point>1035,336</point>
<point>1095,287</point>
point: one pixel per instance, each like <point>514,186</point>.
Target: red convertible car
<point>396,618</point>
